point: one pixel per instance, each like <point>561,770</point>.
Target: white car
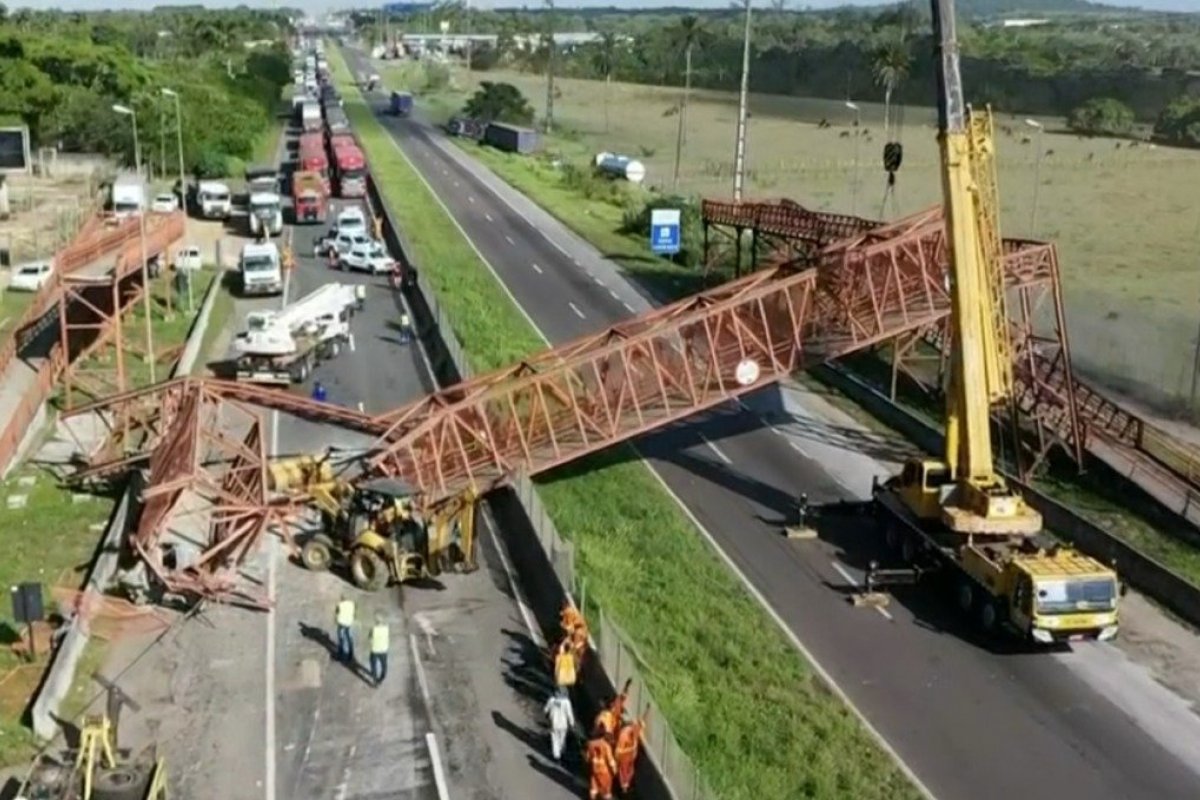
<point>31,277</point>
<point>188,258</point>
<point>164,204</point>
<point>352,220</point>
<point>372,258</point>
<point>340,242</point>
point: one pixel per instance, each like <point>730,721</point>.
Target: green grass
<point>12,306</point>
<point>743,703</point>
<point>50,541</point>
<point>218,318</point>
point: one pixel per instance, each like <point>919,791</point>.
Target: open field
<point>725,676</point>
<point>1123,216</point>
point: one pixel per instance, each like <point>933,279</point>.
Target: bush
<point>1101,116</point>
<point>587,182</point>
<point>437,76</point>
<point>1179,122</point>
<point>499,102</point>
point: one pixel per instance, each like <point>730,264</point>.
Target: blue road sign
<point>664,231</point>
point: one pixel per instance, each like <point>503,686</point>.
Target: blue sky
<point>319,5</point>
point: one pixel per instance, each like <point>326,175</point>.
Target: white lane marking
<point>470,198</point>
<point>518,592</point>
<point>445,171</point>
<point>361,410</point>
<point>598,281</point>
<point>628,308</point>
<point>615,296</point>
<point>795,446</point>
<point>439,776</point>
<point>536,268</point>
<point>845,573</point>
<point>575,308</point>
<point>716,450</point>
<point>509,239</point>
<point>351,342</point>
<point>707,534</point>
<point>456,184</point>
<point>422,680</point>
<point>272,557</point>
<point>487,216</point>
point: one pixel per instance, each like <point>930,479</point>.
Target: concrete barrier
<point>524,531</point>
<point>191,349</point>
<point>1148,576</point>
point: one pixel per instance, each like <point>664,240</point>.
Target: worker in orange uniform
<point>289,259</point>
<point>570,618</point>
<point>565,672</point>
<point>629,741</point>
<point>601,766</point>
<point>610,718</point>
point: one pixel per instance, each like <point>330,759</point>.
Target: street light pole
<point>854,185</point>
<point>1037,175</point>
<point>739,156</point>
<point>146,287</point>
<point>182,184</point>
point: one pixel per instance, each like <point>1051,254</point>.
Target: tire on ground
<point>317,553</point>
<point>126,782</point>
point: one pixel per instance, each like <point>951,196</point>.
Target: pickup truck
<point>188,258</point>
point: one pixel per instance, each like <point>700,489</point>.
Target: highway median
<point>744,704</point>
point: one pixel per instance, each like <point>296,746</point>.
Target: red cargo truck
<point>310,198</point>
<point>350,169</point>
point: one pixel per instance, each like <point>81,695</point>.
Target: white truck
<point>128,195</point>
<point>310,115</point>
<point>261,269</point>
<point>214,199</point>
<point>282,347</point>
<point>265,214</point>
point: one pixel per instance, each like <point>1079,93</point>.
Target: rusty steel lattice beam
<point>91,311</point>
<point>776,227</point>
<point>206,507</point>
<point>664,366</point>
<point>137,421</point>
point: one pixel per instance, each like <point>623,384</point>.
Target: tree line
<point>1141,61</point>
<point>61,73</point>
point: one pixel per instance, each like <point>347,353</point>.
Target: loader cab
<point>923,485</point>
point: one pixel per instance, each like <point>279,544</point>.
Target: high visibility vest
<point>564,669</point>
<point>345,613</point>
<point>379,639</point>
<point>404,321</point>
<point>606,721</point>
<point>627,739</point>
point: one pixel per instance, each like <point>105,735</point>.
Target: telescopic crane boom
<point>965,489</point>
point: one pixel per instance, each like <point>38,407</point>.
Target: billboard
<point>14,148</point>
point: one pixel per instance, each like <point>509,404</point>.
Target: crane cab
<point>929,490</point>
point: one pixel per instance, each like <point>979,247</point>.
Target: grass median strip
<point>742,701</point>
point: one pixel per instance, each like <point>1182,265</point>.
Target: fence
<point>616,655</point>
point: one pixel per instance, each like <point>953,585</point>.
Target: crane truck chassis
<point>1039,590</point>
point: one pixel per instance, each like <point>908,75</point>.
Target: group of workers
<point>343,617</point>
<point>613,746</point>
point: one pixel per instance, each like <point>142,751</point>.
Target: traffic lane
<point>765,456</point>
<point>474,717</point>
<point>525,262</point>
<point>920,672</point>
<point>488,682</point>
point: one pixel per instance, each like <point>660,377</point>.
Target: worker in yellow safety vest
<point>343,617</point>
<point>289,259</point>
<point>564,666</point>
<point>379,650</point>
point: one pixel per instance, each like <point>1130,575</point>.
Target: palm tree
<point>687,35</point>
<point>605,58</point>
<point>890,66</point>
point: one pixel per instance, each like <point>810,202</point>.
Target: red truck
<point>350,168</point>
<point>310,198</point>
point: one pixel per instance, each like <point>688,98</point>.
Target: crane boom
<point>972,496</point>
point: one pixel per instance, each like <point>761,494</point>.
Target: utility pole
<point>857,138</point>
<point>1037,175</point>
<point>470,48</point>
<point>549,122</point>
<point>739,157</point>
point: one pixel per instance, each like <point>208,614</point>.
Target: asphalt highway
<point>971,719</point>
<point>466,681</point>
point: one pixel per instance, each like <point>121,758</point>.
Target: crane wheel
<point>121,783</point>
<point>966,597</point>
<point>368,570</point>
<point>317,553</point>
<point>988,616</point>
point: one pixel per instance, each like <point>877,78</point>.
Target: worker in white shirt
<point>379,650</point>
<point>562,719</point>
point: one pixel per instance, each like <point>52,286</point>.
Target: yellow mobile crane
<point>958,512</point>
